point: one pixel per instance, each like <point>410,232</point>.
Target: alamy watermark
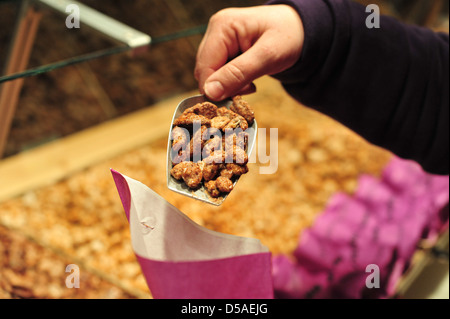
<point>73,280</point>
<point>373,280</point>
<point>373,19</point>
<point>73,19</point>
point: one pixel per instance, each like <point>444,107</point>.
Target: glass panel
<point>39,27</point>
<point>66,100</point>
<point>41,32</point>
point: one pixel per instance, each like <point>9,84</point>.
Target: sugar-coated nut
<point>242,108</point>
<point>179,137</point>
<point>177,171</point>
<point>190,172</point>
<point>236,169</point>
<point>217,157</point>
<point>241,123</point>
<point>224,184</point>
<point>212,189</point>
<point>189,119</point>
<point>206,109</point>
<point>223,111</point>
<point>213,144</point>
<point>236,155</point>
<point>226,173</point>
<point>209,171</point>
<point>220,122</point>
<point>192,175</point>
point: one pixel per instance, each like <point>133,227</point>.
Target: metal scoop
<point>179,186</point>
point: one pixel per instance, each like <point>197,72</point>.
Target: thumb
<point>239,73</point>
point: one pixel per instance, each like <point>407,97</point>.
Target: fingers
<point>240,45</point>
<point>237,75</point>
<point>211,92</point>
<point>218,45</point>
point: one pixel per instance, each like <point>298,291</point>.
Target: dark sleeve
<point>390,85</point>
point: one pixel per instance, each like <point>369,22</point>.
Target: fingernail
<point>214,90</point>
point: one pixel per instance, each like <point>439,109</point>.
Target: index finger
<point>216,48</point>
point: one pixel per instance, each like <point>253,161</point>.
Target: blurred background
<point>77,218</point>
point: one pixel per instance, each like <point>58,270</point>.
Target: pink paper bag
<point>181,259</point>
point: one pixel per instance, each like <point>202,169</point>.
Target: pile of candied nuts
<point>216,154</point>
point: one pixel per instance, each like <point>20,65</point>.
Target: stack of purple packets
<point>361,245</point>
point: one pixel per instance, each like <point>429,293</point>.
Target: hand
<point>242,44</point>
